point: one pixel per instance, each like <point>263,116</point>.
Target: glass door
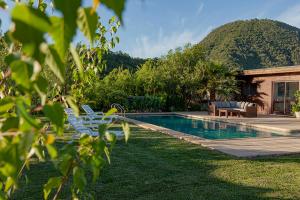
<point>291,88</point>
<point>283,96</point>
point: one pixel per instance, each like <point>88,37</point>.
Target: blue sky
<point>153,27</point>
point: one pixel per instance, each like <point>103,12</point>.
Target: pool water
<point>202,128</point>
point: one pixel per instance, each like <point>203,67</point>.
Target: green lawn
<point>156,166</point>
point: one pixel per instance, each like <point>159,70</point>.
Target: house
<point>272,89</point>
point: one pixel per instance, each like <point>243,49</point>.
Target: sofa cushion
<point>242,105</point>
<point>218,104</point>
<point>233,104</point>
<point>238,104</point>
<point>226,104</point>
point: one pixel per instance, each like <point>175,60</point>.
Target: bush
<point>145,104</point>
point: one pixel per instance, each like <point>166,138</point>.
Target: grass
<point>157,166</point>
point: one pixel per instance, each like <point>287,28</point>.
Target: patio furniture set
<point>230,108</point>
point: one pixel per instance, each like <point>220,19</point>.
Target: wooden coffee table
<point>228,111</point>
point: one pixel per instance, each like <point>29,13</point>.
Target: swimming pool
<point>202,128</point>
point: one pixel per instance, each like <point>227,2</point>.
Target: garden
<point>43,72</point>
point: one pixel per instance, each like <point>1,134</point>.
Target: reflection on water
<point>202,128</point>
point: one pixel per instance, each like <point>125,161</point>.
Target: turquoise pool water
<point>202,128</point>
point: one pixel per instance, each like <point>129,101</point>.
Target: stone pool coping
<point>239,147</point>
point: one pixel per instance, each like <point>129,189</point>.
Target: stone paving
<point>289,143</point>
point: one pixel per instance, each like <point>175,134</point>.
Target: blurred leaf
<point>79,178</point>
<point>3,4</point>
<point>26,142</point>
<point>31,17</point>
<point>51,184</point>
<point>32,22</point>
<point>40,85</point>
<point>110,137</point>
<point>6,104</point>
<point>110,112</point>
<point>10,124</point>
<point>72,104</point>
<point>77,60</point>
<point>102,129</point>
<point>107,153</point>
<point>118,6</point>
<point>38,150</point>
<point>9,183</point>
<point>65,162</point>
<point>64,29</point>
<point>54,61</point>
<point>51,150</point>
<point>87,22</point>
<point>55,114</point>
<point>21,110</point>
<point>126,131</point>
<point>21,73</point>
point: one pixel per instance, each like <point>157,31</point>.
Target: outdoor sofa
<point>246,109</point>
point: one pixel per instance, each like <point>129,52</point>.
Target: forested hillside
<point>254,44</point>
<point>120,59</point>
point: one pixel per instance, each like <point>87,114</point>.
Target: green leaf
<point>55,114</point>
<point>107,153</point>
<point>40,85</point>
<point>126,131</point>
<point>31,17</point>
<point>21,73</point>
<point>52,183</point>
<point>79,178</point>
<point>6,104</point>
<point>110,137</point>
<point>102,129</point>
<point>11,57</point>
<point>32,22</point>
<point>25,142</point>
<point>10,124</point>
<point>87,23</point>
<point>77,60</point>
<point>61,34</point>
<point>64,29</point>
<point>9,183</point>
<point>38,150</point>
<point>110,112</point>
<point>65,162</point>
<point>54,61</point>
<point>118,6</point>
<point>22,112</point>
<point>72,104</point>
<point>3,4</point>
<point>51,150</point>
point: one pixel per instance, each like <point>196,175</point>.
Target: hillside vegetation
<point>254,44</point>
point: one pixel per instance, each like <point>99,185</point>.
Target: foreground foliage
<point>25,92</point>
<point>156,166</point>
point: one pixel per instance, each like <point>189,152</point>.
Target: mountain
<point>254,44</point>
<point>120,59</point>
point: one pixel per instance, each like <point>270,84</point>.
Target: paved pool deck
<point>289,127</point>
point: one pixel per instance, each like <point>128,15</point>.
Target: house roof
<point>273,70</point>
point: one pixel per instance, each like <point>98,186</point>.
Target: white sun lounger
<point>96,115</point>
<point>84,120</point>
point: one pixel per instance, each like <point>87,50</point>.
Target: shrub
<point>145,104</point>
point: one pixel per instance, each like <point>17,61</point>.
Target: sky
<point>152,27</point>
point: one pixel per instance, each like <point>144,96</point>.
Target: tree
<point>219,80</point>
